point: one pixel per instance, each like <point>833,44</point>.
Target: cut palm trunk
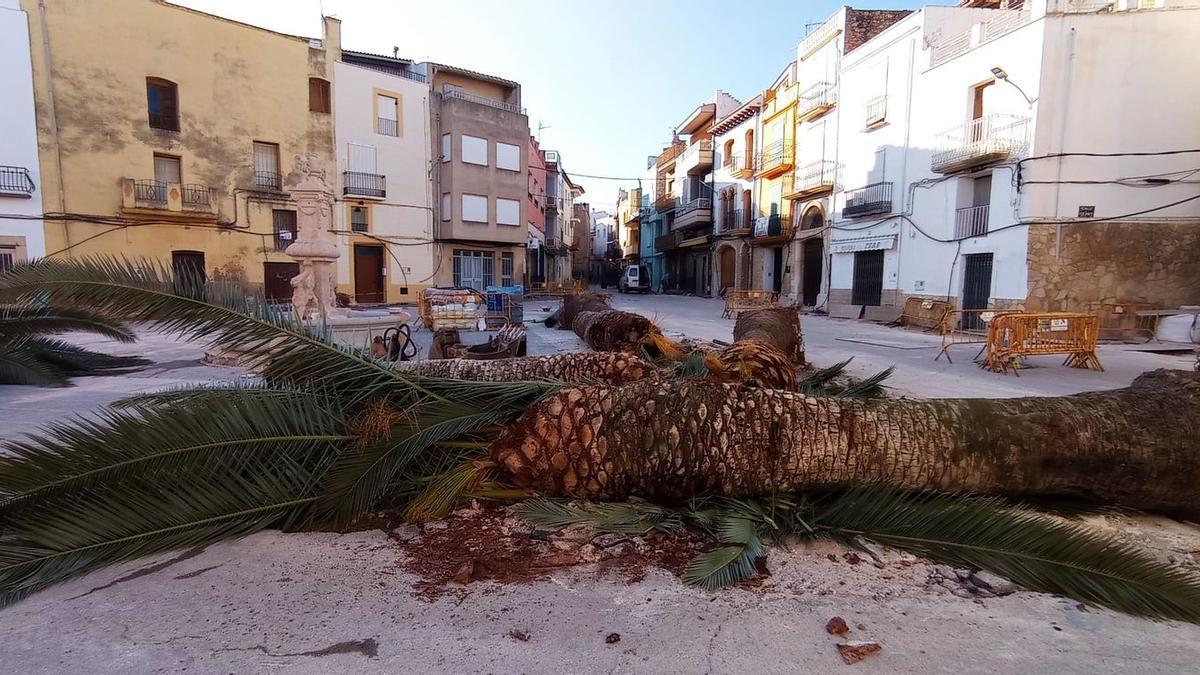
<point>754,363</point>
<point>674,439</point>
<point>613,330</point>
<point>777,326</point>
<point>589,367</point>
<point>580,302</point>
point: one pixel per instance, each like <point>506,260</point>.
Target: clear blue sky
<point>608,78</point>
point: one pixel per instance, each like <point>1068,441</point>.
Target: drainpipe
<point>1062,140</point>
<point>62,195</point>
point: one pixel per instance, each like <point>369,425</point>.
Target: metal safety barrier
<point>1014,336</point>
<point>966,327</point>
<point>1121,320</point>
<point>927,313</point>
<point>741,301</point>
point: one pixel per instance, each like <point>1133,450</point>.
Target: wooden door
<point>728,267</point>
<point>277,280</point>
<point>812,271</point>
<point>368,273</point>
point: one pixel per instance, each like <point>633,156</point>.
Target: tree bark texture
<point>591,367</point>
<point>752,362</point>
<point>613,330</point>
<point>778,326</point>
<point>580,302</point>
<point>674,439</point>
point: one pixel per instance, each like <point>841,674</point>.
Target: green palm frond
<point>65,538</point>
<point>445,489</point>
<point>362,476</point>
<point>19,321</point>
<point>21,363</point>
<point>112,448</point>
<point>74,361</point>
<point>739,531</point>
<point>219,313</point>
<point>619,517</point>
<point>1033,550</point>
<point>816,382</point>
<point>871,387</point>
<point>824,382</point>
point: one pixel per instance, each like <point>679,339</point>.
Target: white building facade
<point>384,212</point>
<point>734,205</point>
<point>22,233</point>
<point>1020,158</point>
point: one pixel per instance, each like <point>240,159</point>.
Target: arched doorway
<point>728,267</point>
<point>813,218</point>
<point>812,256</point>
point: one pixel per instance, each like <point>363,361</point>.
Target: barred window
<point>284,223</point>
<point>359,220</point>
<point>506,268</point>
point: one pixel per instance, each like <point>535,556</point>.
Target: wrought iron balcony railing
<point>387,127</point>
<point>876,111</point>
<point>670,154</point>
<point>733,220</point>
<point>980,141</point>
<point>816,100</point>
<point>152,191</point>
<point>461,95</point>
<point>268,180</point>
<point>811,179</point>
<point>971,221</point>
<point>16,180</point>
<point>868,199</point>
<point>362,184</point>
<point>775,155</point>
<point>195,197</point>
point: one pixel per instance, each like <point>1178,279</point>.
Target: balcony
<point>984,140</point>
<point>15,181</point>
<point>693,212</point>
<point>819,37</point>
<point>268,180</point>
<point>153,197</point>
<point>811,180</point>
<point>734,222</point>
<point>631,247</point>
<point>668,156</point>
<point>462,95</point>
<point>876,112</point>
<point>772,229</point>
<point>779,100</point>
<point>870,199</point>
<point>816,101</point>
<point>668,242</point>
<point>359,184</point>
<point>741,166</point>
<point>697,158</point>
<point>971,221</point>
<point>775,159</point>
<point>664,201</point>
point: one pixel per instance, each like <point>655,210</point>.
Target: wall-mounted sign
<point>762,225</point>
<point>1088,211</point>
<point>865,244</point>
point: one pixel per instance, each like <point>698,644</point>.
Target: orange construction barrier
<point>1122,320</point>
<point>966,327</point>
<point>927,313</point>
<point>1013,336</point>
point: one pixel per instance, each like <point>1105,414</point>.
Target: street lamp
<point>1001,74</point>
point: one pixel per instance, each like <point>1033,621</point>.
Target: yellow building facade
<point>773,167</point>
<point>170,134</point>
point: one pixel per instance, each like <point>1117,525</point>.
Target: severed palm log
<point>778,326</point>
<point>589,367</point>
<point>579,302</point>
<point>614,330</point>
<point>754,363</point>
<point>674,439</point>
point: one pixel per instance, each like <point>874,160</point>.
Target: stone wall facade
<point>1155,264</point>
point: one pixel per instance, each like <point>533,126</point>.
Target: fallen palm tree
<point>613,330</point>
<point>333,435</point>
<point>767,349</point>
<point>595,367</point>
<point>573,304</point>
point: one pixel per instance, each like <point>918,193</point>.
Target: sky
<point>605,80</point>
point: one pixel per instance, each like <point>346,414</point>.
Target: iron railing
<point>995,136</point>
<point>387,127</point>
<point>819,96</point>
<point>195,196</point>
<point>769,226</point>
<point>691,153</point>
<point>774,154</point>
<point>670,154</point>
<point>814,176</point>
<point>16,179</point>
<point>363,184</point>
<point>819,36</point>
<point>164,121</point>
<point>154,191</point>
<point>868,199</point>
<point>737,163</point>
<point>699,203</point>
<point>733,220</point>
<point>876,110</point>
<point>971,221</point>
<point>268,180</point>
<point>482,100</point>
<point>410,75</point>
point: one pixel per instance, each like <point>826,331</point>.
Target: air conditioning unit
<point>551,155</point>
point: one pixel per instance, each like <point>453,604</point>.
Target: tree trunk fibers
<point>673,439</point>
<point>754,363</point>
<point>612,368</point>
<point>778,326</point>
<point>613,330</point>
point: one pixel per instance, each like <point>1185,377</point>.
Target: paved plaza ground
<point>327,602</point>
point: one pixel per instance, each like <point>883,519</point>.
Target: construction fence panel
<point>927,313</point>
<point>1014,336</point>
<point>741,301</point>
<point>966,327</point>
<point>1123,320</point>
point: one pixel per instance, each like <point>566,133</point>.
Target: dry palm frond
<point>630,517</point>
<point>752,362</point>
<point>446,489</point>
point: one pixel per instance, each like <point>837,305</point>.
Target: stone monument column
<point>313,290</point>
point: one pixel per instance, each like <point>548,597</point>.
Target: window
<point>166,170</point>
<point>474,150</point>
<point>508,157</point>
<point>474,209</point>
<point>445,206</point>
<point>446,154</point>
<point>728,158</point>
<point>284,223</point>
<point>162,102</point>
<point>387,115</point>
<point>360,219</point>
<point>506,268</point>
<point>472,269</point>
<point>318,95</point>
<point>508,212</point>
<point>266,167</point>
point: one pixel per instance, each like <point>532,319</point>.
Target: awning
<point>694,241</point>
<point>882,243</point>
